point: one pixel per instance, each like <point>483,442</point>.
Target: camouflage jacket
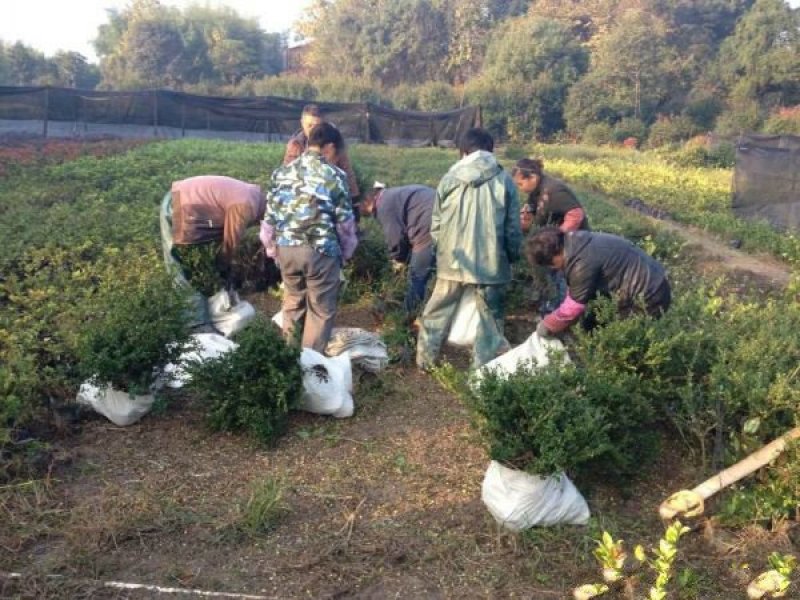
<point>299,144</point>
<point>308,203</point>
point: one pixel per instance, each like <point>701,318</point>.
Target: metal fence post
<point>155,113</point>
<point>46,110</point>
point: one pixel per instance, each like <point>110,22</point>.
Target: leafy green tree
<point>538,60</point>
<point>387,41</point>
<point>761,60</point>
<point>25,64</point>
<point>73,70</point>
<point>148,44</point>
<point>634,72</point>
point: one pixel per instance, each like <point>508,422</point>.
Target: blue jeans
<point>420,269</point>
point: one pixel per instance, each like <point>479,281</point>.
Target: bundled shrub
<point>555,418</point>
<point>252,387</point>
<point>539,421</point>
<point>208,273</point>
<point>136,331</point>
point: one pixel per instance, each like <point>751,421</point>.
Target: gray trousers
<point>310,290</point>
<point>199,303</point>
<point>441,310</point>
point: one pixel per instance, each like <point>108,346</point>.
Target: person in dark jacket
<point>405,215</point>
<point>598,263</point>
<point>550,201</point>
<point>298,143</point>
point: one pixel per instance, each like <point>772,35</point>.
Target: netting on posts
<point>766,180</point>
<point>66,112</point>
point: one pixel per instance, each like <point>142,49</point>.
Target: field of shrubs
<point>389,500</point>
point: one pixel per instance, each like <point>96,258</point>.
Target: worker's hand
<point>398,266</point>
<point>542,331</point>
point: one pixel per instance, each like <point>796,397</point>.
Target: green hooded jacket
<point>475,223</point>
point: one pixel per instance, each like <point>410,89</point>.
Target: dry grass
<point>383,505</point>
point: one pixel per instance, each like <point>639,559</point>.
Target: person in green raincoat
<point>476,229</point>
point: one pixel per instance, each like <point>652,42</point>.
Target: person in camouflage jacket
<point>298,143</point>
<point>309,228</point>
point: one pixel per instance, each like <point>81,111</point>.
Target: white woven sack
<point>228,316</point>
<point>326,384</point>
<point>206,346</point>
<point>366,349</point>
<point>534,348</point>
<point>121,408</point>
<point>518,500</point>
<point>465,324</point>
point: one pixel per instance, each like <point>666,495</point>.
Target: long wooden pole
<point>690,503</point>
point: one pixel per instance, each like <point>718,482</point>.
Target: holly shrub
<point>252,387</point>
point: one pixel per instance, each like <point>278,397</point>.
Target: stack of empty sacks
<point>365,348</point>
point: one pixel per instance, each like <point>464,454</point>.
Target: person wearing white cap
<point>405,215</point>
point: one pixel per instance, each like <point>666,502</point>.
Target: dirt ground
<point>383,505</point>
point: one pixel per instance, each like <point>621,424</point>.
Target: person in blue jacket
<point>404,213</point>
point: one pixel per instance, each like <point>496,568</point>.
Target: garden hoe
<point>690,503</point>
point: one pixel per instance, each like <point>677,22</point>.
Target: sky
<point>52,25</point>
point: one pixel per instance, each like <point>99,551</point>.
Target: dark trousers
<point>420,269</point>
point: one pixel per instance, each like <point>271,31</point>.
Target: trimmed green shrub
<point>629,127</point>
<point>572,419</point>
<point>539,421</point>
<point>436,96</point>
<point>598,134</point>
<point>405,97</point>
<point>252,387</point>
<point>671,129</point>
<point>201,264</point>
<point>136,331</point>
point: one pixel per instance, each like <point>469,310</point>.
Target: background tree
<point>25,64</point>
<point>150,45</point>
<point>533,62</point>
<point>760,63</point>
<point>71,69</point>
<point>634,73</point>
<point>387,41</point>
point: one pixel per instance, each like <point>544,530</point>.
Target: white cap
<point>378,185</point>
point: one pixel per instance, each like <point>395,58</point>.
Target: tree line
<point>602,70</point>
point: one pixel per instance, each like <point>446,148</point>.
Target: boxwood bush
<point>564,418</point>
<point>252,387</point>
<point>136,331</point>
